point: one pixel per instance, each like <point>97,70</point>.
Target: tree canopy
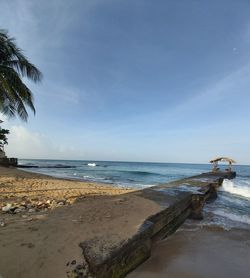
<point>15,96</point>
<point>3,137</point>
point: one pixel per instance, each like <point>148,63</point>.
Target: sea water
<point>230,209</point>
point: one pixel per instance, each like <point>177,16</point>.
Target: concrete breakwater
<point>178,201</point>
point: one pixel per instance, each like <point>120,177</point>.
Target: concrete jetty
<point>178,200</point>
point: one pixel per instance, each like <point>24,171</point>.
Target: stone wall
<point>6,162</point>
<point>178,200</point>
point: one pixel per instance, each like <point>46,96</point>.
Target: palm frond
<point>24,68</point>
<point>14,94</point>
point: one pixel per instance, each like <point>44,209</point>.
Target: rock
<point>41,205</point>
<point>61,203</point>
<point>7,208</point>
<point>20,209</point>
<point>17,210</point>
<point>48,202</point>
<point>2,224</point>
<point>23,208</point>
<point>29,219</point>
<point>53,204</point>
<point>32,210</point>
<point>80,271</point>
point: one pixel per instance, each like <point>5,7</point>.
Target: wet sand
<point>199,253</point>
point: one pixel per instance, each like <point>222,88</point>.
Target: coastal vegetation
<point>15,96</point>
<point>3,137</point>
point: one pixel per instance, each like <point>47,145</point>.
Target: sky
<point>144,80</point>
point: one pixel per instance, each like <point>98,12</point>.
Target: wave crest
<point>232,216</point>
<point>236,188</point>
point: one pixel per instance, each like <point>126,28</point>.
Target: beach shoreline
<point>56,216</point>
<point>20,186</point>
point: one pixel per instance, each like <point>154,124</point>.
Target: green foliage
<point>15,96</point>
<point>3,137</point>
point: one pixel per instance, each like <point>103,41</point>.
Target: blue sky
<point>134,80</point>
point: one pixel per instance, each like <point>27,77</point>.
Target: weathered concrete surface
<point>178,201</point>
<point>129,253</point>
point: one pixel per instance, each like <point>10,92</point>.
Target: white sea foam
<point>237,187</point>
<point>230,200</point>
<point>133,185</point>
<point>92,164</point>
<point>234,217</point>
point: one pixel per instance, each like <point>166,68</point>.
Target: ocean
<point>230,210</point>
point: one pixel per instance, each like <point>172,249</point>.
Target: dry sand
<point>45,243</point>
<point>18,185</point>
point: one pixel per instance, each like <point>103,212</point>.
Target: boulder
<point>7,208</point>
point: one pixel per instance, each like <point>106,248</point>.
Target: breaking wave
<point>240,187</point>
<point>232,216</point>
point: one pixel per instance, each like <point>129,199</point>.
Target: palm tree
<point>15,96</point>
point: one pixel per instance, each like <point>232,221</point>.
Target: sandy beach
<point>49,218</point>
<point>124,139</point>
<point>44,242</point>
<point>18,185</point>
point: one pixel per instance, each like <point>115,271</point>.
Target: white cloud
<point>24,143</point>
